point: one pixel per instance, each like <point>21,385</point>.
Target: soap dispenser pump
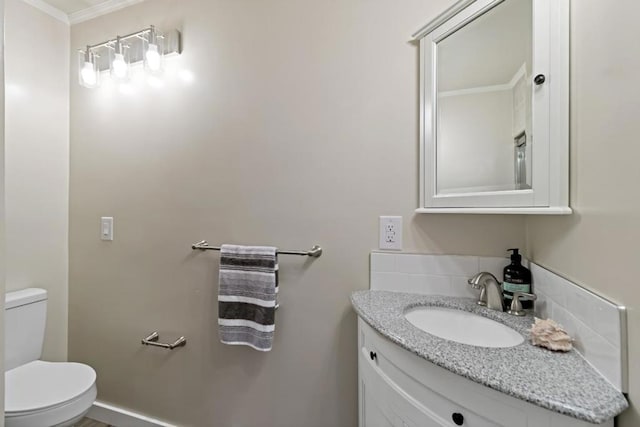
<point>517,278</point>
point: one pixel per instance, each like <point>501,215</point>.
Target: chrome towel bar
<point>315,251</point>
<point>153,340</point>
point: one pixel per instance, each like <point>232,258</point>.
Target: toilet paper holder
<point>153,341</point>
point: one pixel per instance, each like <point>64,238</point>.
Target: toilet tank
<point>25,317</point>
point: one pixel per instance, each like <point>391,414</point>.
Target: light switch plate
<point>391,232</point>
<point>106,228</point>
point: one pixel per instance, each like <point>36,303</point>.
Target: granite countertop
<point>561,382</point>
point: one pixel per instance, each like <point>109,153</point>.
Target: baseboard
<point>119,417</point>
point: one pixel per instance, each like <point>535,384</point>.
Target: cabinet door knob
<point>458,419</point>
<point>373,355</point>
<point>539,79</point>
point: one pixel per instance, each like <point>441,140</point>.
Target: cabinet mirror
<point>494,108</point>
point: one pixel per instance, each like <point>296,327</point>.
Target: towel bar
<point>153,341</point>
<point>314,252</point>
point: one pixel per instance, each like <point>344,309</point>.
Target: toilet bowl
<point>39,393</point>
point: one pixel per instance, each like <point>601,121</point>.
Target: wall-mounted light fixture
<point>153,52</point>
<point>119,55</point>
<point>88,69</point>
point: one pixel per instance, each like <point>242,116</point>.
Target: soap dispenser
<point>517,278</point>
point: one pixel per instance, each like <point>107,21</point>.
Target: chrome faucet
<point>490,290</point>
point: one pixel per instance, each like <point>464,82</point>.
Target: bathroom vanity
<point>408,377</point>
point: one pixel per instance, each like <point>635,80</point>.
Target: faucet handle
<point>516,307</point>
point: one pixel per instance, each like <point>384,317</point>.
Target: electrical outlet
<point>391,232</point>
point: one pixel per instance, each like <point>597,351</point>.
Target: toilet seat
<point>47,393</point>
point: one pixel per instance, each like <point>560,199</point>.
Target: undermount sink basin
<point>463,327</point>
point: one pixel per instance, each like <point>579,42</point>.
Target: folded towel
<point>248,288</point>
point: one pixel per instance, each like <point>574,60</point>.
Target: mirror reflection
<point>483,125</point>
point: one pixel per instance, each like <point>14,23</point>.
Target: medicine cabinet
<point>494,97</point>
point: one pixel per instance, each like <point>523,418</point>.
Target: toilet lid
<point>40,385</point>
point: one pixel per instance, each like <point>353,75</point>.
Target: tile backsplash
<point>430,274</point>
<point>598,325</point>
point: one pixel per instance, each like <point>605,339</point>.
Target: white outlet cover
<point>391,233</point>
<point>106,228</point>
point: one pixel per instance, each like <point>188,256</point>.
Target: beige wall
<point>37,162</point>
<point>299,128</point>
<point>598,245</point>
<point>2,212</point>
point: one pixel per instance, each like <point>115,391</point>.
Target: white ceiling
<point>74,11</point>
<point>73,6</point>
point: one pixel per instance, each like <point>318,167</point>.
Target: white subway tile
<point>567,287</point>
<point>540,279</point>
<point>428,284</point>
<point>543,305</point>
<point>568,322</point>
<point>388,282</point>
<point>466,266</point>
<point>604,356</point>
<point>384,263</point>
<point>598,314</point>
<point>440,265</point>
<point>592,321</point>
<point>493,265</point>
<point>459,287</point>
<point>450,265</point>
<point>597,350</point>
<point>413,264</point>
<point>557,288</point>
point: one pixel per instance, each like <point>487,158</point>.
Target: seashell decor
<point>549,334</point>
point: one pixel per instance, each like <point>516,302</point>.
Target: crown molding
<point>98,10</point>
<point>49,10</point>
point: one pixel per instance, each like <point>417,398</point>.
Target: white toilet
<point>38,393</point>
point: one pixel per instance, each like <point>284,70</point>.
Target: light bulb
<point>88,74</point>
<point>119,66</point>
<point>153,57</point>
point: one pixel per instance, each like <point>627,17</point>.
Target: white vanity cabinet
<point>400,389</point>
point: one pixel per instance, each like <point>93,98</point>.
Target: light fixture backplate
<point>136,49</point>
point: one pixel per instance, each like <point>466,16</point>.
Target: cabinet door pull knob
<point>458,419</point>
<point>539,79</point>
<point>373,355</point>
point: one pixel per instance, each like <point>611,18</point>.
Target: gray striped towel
<point>248,288</point>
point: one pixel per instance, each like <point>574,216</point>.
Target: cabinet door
<point>372,414</point>
<point>495,138</point>
<point>383,404</point>
<point>406,400</point>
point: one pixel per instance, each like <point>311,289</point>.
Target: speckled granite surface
<point>561,382</point>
